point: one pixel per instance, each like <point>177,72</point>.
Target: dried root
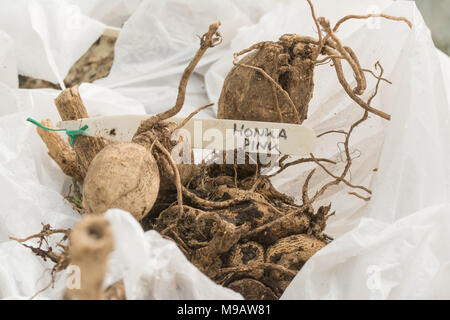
<point>86,247</point>
<point>57,254</point>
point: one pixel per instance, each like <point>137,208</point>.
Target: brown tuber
<point>274,81</point>
<point>248,95</point>
<point>123,176</point>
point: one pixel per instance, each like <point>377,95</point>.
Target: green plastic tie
<point>73,134</point>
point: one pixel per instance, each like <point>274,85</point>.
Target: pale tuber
<point>123,176</point>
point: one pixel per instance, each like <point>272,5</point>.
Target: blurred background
<point>437,16</point>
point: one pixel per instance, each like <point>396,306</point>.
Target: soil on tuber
<point>275,80</point>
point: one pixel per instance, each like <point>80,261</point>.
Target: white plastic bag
<point>8,63</point>
<point>157,43</point>
<point>110,12</point>
<point>445,67</point>
<point>400,252</point>
<point>49,36</point>
<point>152,267</point>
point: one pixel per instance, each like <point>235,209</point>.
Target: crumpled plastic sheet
<point>400,250</point>
<point>8,63</point>
<point>158,41</point>
<point>111,12</point>
<point>393,247</point>
<point>49,36</point>
<point>407,259</point>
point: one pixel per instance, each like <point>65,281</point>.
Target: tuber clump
<point>248,95</point>
<point>228,219</point>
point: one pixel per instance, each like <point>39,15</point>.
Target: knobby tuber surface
<point>274,81</point>
<point>248,95</point>
<point>227,219</point>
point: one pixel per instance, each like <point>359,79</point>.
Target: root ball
<point>247,253</point>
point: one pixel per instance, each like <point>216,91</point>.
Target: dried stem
<point>316,22</point>
<point>359,196</point>
<point>341,178</point>
<point>70,107</point>
<point>331,131</point>
<point>208,40</point>
<point>210,205</point>
<point>349,91</point>
<point>189,117</point>
<point>46,231</point>
<point>296,162</point>
<point>305,196</point>
<point>60,151</point>
<point>91,242</point>
<point>348,55</point>
<point>373,74</point>
<point>176,174</point>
